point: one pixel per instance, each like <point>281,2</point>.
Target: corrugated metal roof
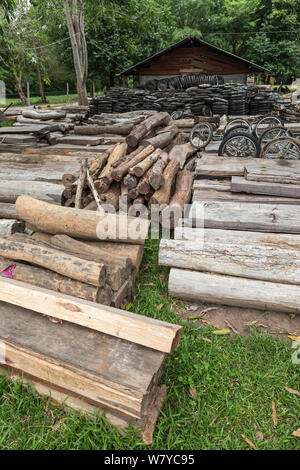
<point>196,41</point>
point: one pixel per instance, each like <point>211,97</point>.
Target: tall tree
<point>74,10</point>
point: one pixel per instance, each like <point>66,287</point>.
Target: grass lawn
<point>51,99</point>
<point>219,388</point>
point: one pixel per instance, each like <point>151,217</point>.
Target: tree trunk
<point>18,85</point>
<point>41,85</point>
<point>75,22</point>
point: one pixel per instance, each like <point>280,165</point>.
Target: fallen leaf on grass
<point>248,442</point>
<point>193,392</point>
<point>294,392</point>
<point>150,284</point>
<point>225,331</point>
<point>251,322</point>
<point>213,421</point>
<point>259,436</point>
<point>296,433</point>
<point>274,414</point>
<point>128,306</point>
<point>233,383</point>
<point>207,340</point>
<point>159,306</point>
<point>294,338</point>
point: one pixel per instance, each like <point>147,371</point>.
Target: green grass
<point>51,99</point>
<point>231,382</point>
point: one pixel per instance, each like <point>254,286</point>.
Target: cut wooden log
<point>124,294</point>
<point>81,224</point>
<point>240,184</point>
<point>160,141</point>
<point>273,175</point>
<point>209,165</point>
<point>81,183</point>
<point>10,226</point>
<point>162,195</point>
<point>44,191</point>
<point>110,199</point>
<point>41,277</point>
<point>105,177</point>
<point>80,140</point>
<point>141,130</point>
<point>155,174</point>
<point>181,153</point>
<point>235,291</point>
<point>7,211</point>
<point>182,195</point>
<point>118,269</point>
<point>98,164</point>
<point>140,168</point>
<point>71,266</point>
<point>267,263</point>
<point>122,169</point>
<point>143,186</point>
<point>120,323</point>
<point>68,179</point>
<point>246,216</point>
<point>43,116</point>
<point>227,196</point>
<point>115,252</point>
<point>130,181</point>
<point>121,129</point>
<point>35,129</point>
<point>213,184</point>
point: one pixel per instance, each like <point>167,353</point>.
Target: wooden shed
<point>194,56</point>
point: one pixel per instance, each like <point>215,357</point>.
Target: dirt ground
<point>243,321</point>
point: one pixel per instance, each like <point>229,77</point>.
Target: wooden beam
<point>235,291</point>
<point>240,184</point>
<point>142,330</point>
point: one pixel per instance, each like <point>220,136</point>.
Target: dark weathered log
<point>8,211</point>
<point>155,174</point>
<point>133,193</point>
<point>182,195</point>
<point>162,195</point>
<point>181,153</point>
<point>10,190</point>
<point>41,277</point>
<point>105,177</point>
<point>81,224</point>
<point>62,263</point>
<point>140,168</point>
<point>81,183</point>
<point>143,186</point>
<point>121,129</point>
<point>44,116</point>
<point>160,140</point>
<point>146,126</point>
<point>130,181</point>
<point>128,157</point>
<point>122,169</point>
<point>111,198</point>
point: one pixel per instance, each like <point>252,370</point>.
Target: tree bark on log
<point>155,174</point>
<point>122,169</point>
<point>81,224</point>
<point>119,129</point>
<point>62,263</point>
<point>181,153</point>
<point>162,195</point>
<point>146,126</point>
<point>140,168</point>
<point>105,178</point>
<point>160,140</point>
<point>41,277</point>
<point>111,198</point>
<point>143,186</point>
<point>43,116</point>
<point>8,211</point>
<point>235,291</point>
<point>81,183</point>
<point>182,195</point>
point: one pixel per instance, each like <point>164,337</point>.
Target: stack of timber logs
<point>75,252</point>
<point>92,358</point>
<point>148,168</point>
<point>240,243</point>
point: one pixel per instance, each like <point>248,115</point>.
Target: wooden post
<point>28,94</point>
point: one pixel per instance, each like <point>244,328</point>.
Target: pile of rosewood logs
<point>73,252</point>
<point>90,357</point>
<point>240,244</point>
<point>151,167</point>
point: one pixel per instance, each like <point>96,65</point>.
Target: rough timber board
<point>247,216</point>
<point>111,359</point>
<point>161,336</point>
<point>210,165</point>
<point>224,196</point>
<point>240,184</point>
